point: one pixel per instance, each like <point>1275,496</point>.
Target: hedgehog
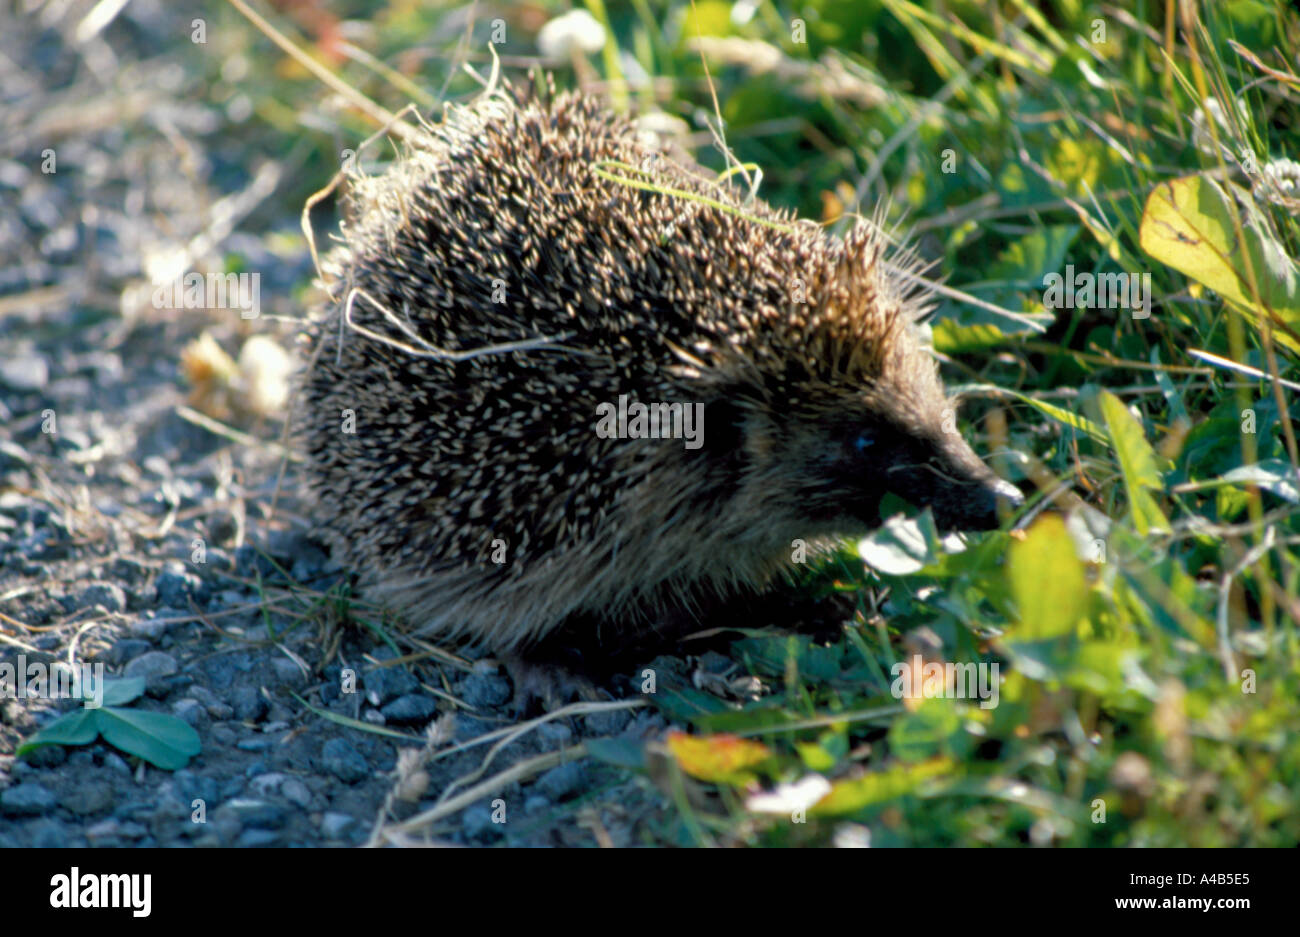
<point>570,387</point>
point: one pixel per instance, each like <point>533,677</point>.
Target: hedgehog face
<point>834,467</point>
<point>840,445</point>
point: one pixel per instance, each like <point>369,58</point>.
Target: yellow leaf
<point>723,759</point>
<point>1188,225</point>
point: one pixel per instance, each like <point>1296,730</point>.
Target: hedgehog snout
<point>998,498</point>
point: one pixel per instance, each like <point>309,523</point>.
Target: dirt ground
<point>137,534</point>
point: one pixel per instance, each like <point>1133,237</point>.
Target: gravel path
<point>137,536</point>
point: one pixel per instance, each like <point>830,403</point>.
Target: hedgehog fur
<point>494,288</point>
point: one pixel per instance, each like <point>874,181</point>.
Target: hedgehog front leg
<point>543,685</point>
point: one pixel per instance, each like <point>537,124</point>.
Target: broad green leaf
<point>1047,582</point>
<point>1188,225</point>
<point>1030,258</point>
<point>1137,461</point>
<point>878,787</point>
<point>159,738</point>
<point>685,704</point>
<point>120,692</point>
<point>75,728</point>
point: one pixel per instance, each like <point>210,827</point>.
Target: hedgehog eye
<point>866,439</point>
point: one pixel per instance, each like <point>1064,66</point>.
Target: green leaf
<point>1047,581</point>
<point>685,704</point>
<point>75,728</point>
<point>1072,420</point>
<point>159,738</point>
<point>935,728</point>
<point>1188,225</point>
<point>119,692</point>
<point>1030,258</point>
<point>1137,461</point>
<point>878,787</point>
<point>619,752</point>
<point>952,338</point>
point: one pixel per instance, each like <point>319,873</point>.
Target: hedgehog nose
<point>995,499</point>
<point>1007,495</point>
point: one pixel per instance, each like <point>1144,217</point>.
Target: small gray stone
<point>257,839</point>
<point>104,833</point>
<point>49,834</point>
<point>115,762</point>
<point>484,690</point>
<point>476,822</point>
<point>88,799</point>
<point>336,825</point>
<point>536,803</point>
<point>289,673</point>
<point>265,785</point>
<point>255,813</point>
<point>384,684</point>
<point>467,728</point>
<point>561,781</point>
<point>130,830</point>
<point>27,370</point>
<point>176,585</point>
<point>192,711</point>
<point>148,626</point>
<point>607,723</point>
<point>155,667</point>
<point>81,760</point>
<point>410,710</point>
<point>107,594</point>
<point>248,703</point>
<point>342,760</point>
<point>189,787</point>
<point>296,793</point>
<point>126,649</point>
<point>24,800</point>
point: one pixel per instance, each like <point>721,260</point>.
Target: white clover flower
<point>576,29</point>
<point>1279,182</point>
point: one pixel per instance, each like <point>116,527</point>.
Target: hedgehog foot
<point>542,686</point>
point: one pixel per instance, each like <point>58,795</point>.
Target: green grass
<point>1145,621</point>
